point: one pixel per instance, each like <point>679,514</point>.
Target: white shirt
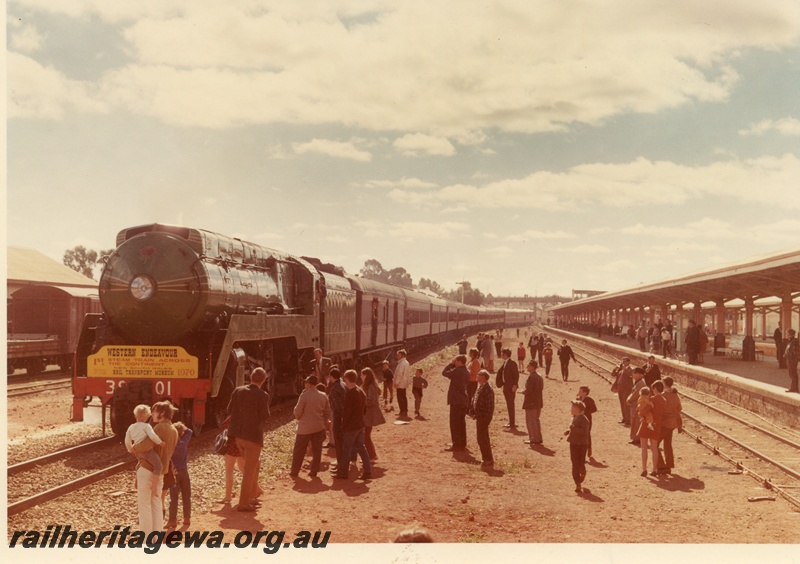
<point>401,374</point>
<point>137,432</point>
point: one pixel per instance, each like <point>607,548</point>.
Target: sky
<point>528,147</point>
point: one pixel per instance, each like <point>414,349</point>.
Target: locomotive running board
<point>304,329</point>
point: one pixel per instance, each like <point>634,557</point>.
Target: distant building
<point>580,294</point>
<point>539,305</point>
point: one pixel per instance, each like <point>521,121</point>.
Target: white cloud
<point>638,183</point>
<point>278,151</point>
<point>267,237</point>
<point>416,144</point>
<point>587,249</point>
<point>413,230</point>
<point>702,235</point>
<point>336,239</point>
<point>679,248</point>
<point>536,235</point>
<point>410,183</point>
<point>500,252</point>
<point>621,265</point>
<point>24,38</point>
<point>523,66</point>
<point>784,126</point>
<point>337,149</point>
<point>456,209</point>
<point>39,91</point>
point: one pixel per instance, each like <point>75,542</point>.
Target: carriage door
<point>385,320</point>
<point>396,322</point>
<point>374,317</point>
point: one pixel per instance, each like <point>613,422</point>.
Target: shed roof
<point>774,274</point>
<point>29,266</point>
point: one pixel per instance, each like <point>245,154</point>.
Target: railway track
<point>14,390</point>
<point>753,445</point>
<point>48,477</point>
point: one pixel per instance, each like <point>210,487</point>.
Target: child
<point>578,439</point>
<point>521,356</point>
<point>182,483</point>
<point>591,407</point>
<point>388,388</point>
<point>644,407</point>
<point>418,383</point>
<point>548,358</point>
<point>139,440</point>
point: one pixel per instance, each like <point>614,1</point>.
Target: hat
<point>312,380</point>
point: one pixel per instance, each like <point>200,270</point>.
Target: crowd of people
<point>651,409</point>
<point>346,407</point>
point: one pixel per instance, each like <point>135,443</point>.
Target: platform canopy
<point>776,274</point>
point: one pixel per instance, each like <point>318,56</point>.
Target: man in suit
<point>651,371</point>
<point>458,400</point>
<point>623,385</point>
<point>249,410</point>
<point>791,355</point>
<point>533,403</point>
<point>508,378</point>
<point>533,344</point>
<point>355,405</point>
<point>564,354</point>
<point>778,336</point>
<point>462,345</point>
<point>482,410</point>
<point>320,367</point>
<point>692,341</point>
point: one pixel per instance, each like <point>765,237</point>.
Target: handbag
<point>221,442</point>
<point>169,478</point>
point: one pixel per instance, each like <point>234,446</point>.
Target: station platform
<point>765,370</point>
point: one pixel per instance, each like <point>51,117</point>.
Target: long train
<point>187,314</point>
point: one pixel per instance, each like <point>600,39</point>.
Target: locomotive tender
<point>188,313</point>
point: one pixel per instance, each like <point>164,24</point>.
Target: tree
<point>373,270</point>
<point>83,260</point>
<point>398,276</point>
<point>432,285</point>
<point>472,296</point>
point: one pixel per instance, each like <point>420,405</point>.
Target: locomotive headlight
<point>142,287</point>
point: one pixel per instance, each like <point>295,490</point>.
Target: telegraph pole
<point>462,289</point>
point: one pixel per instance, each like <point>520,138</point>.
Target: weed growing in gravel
<point>515,465</point>
<point>471,537</point>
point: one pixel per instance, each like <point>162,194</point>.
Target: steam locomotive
<point>188,313</point>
